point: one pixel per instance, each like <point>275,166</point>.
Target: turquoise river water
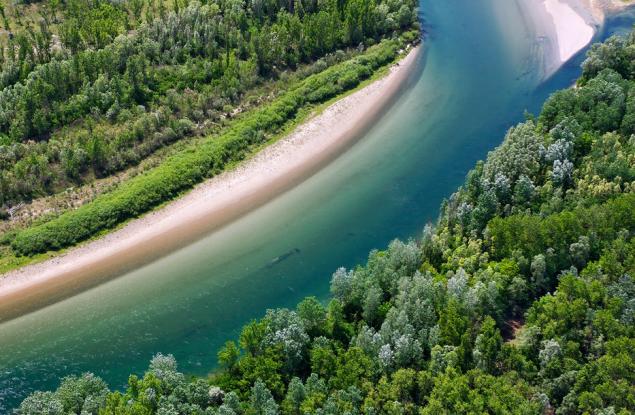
<point>479,73</point>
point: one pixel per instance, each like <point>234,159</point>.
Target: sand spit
<point>564,27</point>
<point>573,31</point>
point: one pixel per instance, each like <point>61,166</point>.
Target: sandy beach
<point>210,205</point>
<point>573,31</point>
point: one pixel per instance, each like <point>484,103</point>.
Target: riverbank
<point>210,205</point>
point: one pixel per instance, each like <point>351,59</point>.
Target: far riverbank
<point>210,205</point>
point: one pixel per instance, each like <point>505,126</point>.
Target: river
<point>480,71</point>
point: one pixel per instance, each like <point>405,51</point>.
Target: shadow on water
<point>282,257</point>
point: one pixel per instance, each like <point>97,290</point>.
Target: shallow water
<point>478,74</point>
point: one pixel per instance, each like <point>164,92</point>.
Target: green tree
<point>487,346</point>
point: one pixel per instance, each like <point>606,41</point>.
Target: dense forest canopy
<point>520,300</point>
<point>99,85</point>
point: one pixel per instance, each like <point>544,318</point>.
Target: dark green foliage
<point>533,235</point>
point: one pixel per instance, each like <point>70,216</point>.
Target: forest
<point>92,89</point>
<point>520,299</point>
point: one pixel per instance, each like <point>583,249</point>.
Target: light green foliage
<point>85,394</point>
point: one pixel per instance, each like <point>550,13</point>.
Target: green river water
<point>479,72</point>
